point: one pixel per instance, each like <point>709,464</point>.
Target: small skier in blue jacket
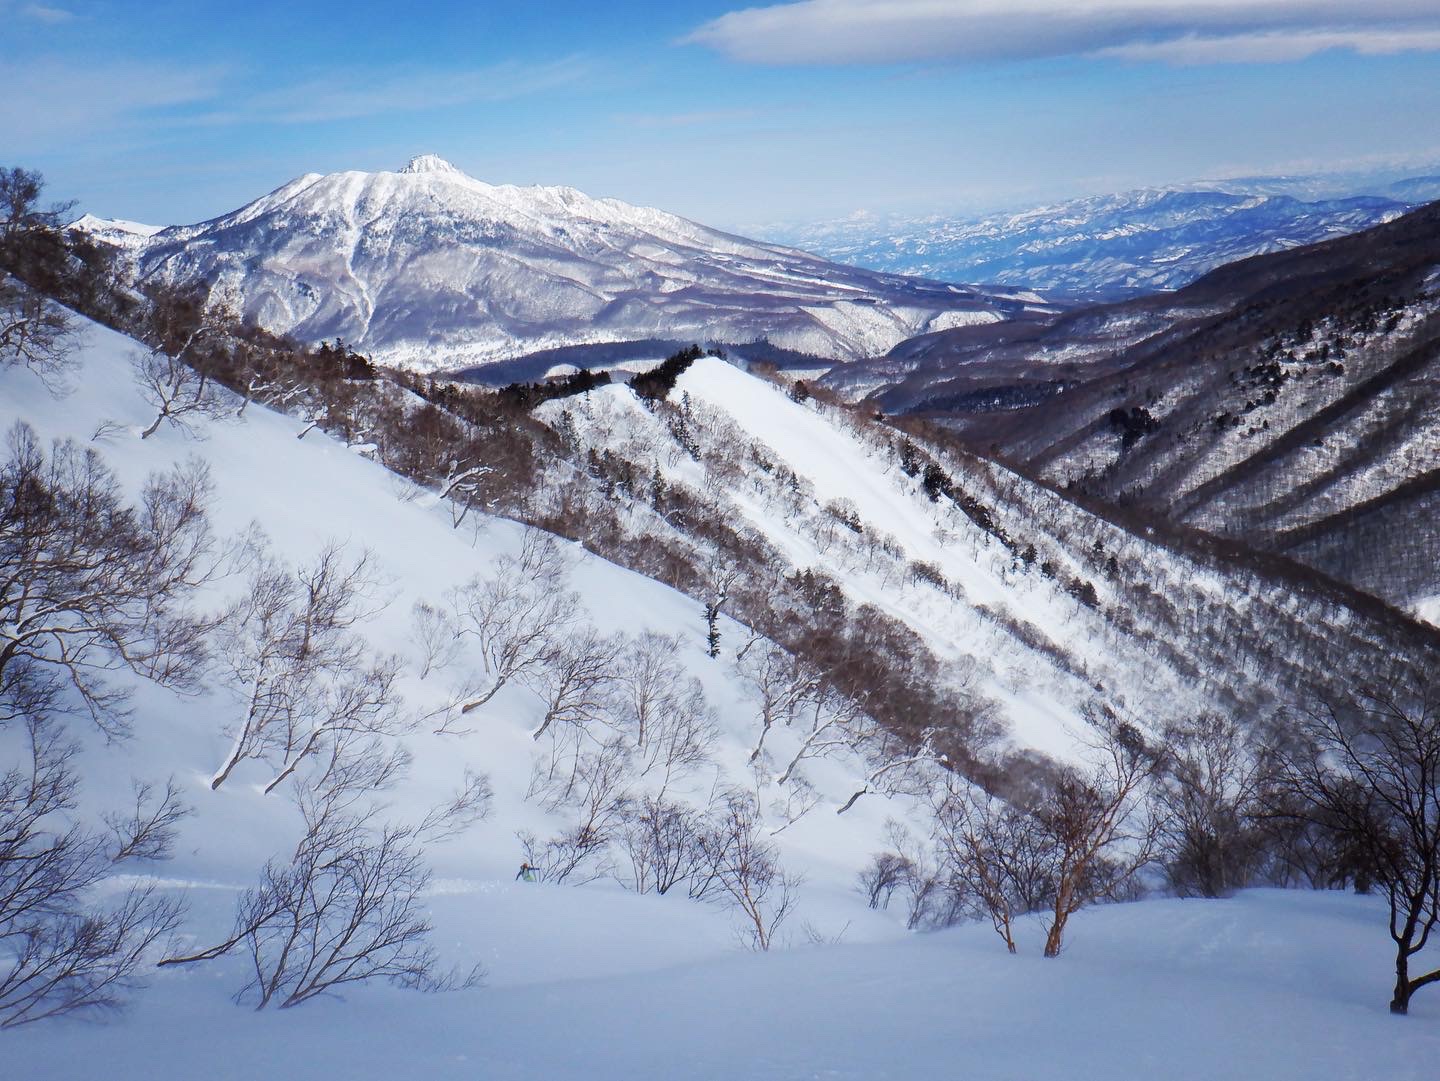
<point>526,872</point>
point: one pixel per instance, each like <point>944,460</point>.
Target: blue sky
<point>176,111</point>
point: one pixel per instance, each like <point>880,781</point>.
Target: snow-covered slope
<point>597,982</point>
<point>303,494</point>
<point>1100,247</point>
<point>1055,613</point>
<point>429,268</point>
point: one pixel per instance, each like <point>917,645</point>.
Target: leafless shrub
<point>178,393</point>
<point>467,806</point>
<point>575,680</point>
<point>306,685</point>
<point>884,875</point>
<point>778,683</point>
<point>436,636</point>
<point>35,333</point>
<point>910,869</point>
<point>1097,828</point>
<point>597,789</point>
<point>1207,796</point>
<point>661,841</point>
<point>661,710</point>
<point>795,800</point>
<point>744,869</point>
<point>994,857</point>
<point>347,909</point>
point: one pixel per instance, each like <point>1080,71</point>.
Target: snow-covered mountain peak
<point>433,269</point>
<point>125,235</point>
<point>430,163</point>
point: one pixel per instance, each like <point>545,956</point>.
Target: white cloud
<point>52,102</point>
<point>1276,47</point>
<point>45,14</point>
<point>1180,31</point>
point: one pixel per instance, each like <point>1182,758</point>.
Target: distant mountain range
<point>1288,401</point>
<point>431,269</point>
<point>1110,247</point>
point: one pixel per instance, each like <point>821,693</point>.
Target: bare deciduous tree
<point>1207,795</point>
<point>35,331</point>
<point>597,787</point>
<point>662,843</point>
<point>515,617</point>
<point>661,710</point>
<point>994,857</point>
<point>304,678</point>
<point>1368,772</point>
<point>1097,828</point>
<point>575,680</point>
<point>88,583</point>
<point>173,374</point>
<point>436,637</point>
<point>747,872</point>
<point>779,683</point>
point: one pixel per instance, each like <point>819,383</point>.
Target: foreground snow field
<point>1268,985</point>
<point>595,982</point>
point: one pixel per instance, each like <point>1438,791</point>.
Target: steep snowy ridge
<point>432,269</point>
<point>1047,613</point>
<point>1287,401</point>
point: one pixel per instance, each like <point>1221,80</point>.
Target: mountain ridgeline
<point>1288,401</point>
<point>1109,247</point>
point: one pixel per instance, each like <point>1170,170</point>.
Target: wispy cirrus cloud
<point>337,96</point>
<point>44,13</point>
<point>1175,31</point>
<point>51,101</point>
